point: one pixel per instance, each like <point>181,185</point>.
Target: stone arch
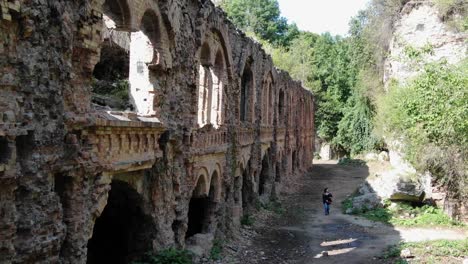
<point>205,86</point>
<point>246,93</point>
<point>150,27</point>
<point>148,50</point>
<point>267,99</point>
<point>219,80</point>
<point>214,76</point>
<point>119,12</point>
<point>112,70</point>
<point>123,231</point>
<point>281,107</point>
<point>215,186</point>
<point>202,187</point>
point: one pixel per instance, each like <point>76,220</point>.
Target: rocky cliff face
<point>420,36</point>
<point>216,129</point>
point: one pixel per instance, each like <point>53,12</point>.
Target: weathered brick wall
<point>59,155</point>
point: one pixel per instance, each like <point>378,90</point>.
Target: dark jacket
<point>326,198</point>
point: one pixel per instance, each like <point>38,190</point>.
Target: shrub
<point>247,220</point>
<point>351,162</point>
<point>429,116</point>
<point>215,253</point>
<point>274,206</point>
<point>404,214</point>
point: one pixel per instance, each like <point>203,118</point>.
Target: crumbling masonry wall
<point>214,128</point>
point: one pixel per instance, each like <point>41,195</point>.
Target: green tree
<point>263,18</point>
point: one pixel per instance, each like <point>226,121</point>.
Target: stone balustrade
<point>203,139</point>
<point>123,145</point>
<point>245,136</point>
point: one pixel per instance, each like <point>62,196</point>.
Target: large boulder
<point>398,186</point>
<point>366,202</point>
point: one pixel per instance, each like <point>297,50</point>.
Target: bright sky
<point>320,16</point>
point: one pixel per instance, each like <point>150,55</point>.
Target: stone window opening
<point>123,231</point>
<point>281,107</point>
<point>111,73</point>
<point>210,97</point>
<point>267,100</point>
<point>218,89</point>
<point>145,53</point>
<point>246,94</point>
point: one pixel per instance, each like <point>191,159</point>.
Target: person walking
<point>326,198</point>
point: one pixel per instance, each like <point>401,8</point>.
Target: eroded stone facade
<point>215,129</point>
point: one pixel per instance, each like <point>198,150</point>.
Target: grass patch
<point>404,214</point>
<point>351,162</point>
<point>247,220</point>
<point>216,250</point>
<point>439,251</point>
<point>167,256</point>
<point>274,206</point>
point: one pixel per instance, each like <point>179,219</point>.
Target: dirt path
<point>304,232</point>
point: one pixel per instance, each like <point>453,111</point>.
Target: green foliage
<point>261,17</point>
<point>274,206</point>
<point>117,89</point>
<point>355,129</point>
<point>417,54</point>
<point>403,214</point>
<point>346,204</point>
<point>247,220</point>
<point>438,251</point>
<point>351,162</point>
<point>216,250</point>
<point>168,256</point>
<point>430,116</point>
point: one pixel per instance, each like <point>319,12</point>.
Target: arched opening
<point>264,174</point>
<point>111,73</point>
<point>202,208</point>
<point>205,86</point>
<point>118,11</point>
<point>267,100</point>
<point>270,103</point>
<point>144,51</point>
<point>245,95</point>
<point>217,115</point>
<point>197,209</point>
<point>281,107</point>
<point>123,231</point>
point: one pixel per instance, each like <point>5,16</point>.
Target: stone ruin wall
<point>215,130</point>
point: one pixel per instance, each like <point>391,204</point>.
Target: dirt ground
<point>303,233</point>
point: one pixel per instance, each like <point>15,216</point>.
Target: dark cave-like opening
<point>123,232</point>
<point>263,175</point>
<point>197,215</point>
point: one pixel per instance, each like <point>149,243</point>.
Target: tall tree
<point>262,17</point>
